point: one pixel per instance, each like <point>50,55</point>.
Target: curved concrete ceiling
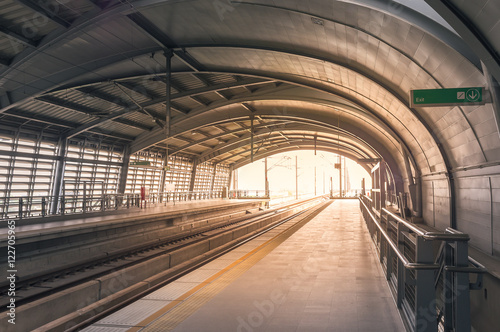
<point>327,68</point>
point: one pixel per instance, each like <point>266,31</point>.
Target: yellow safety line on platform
<point>167,318</point>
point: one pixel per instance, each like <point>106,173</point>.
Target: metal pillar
<point>266,183</point>
<point>315,181</point>
<point>296,179</point>
<point>230,177</point>
<point>383,181</point>
<point>251,138</point>
<point>122,181</point>
<point>59,176</point>
<point>425,293</point>
<point>212,183</point>
<point>193,175</point>
<point>168,82</point>
<point>461,289</point>
<point>163,178</point>
<point>340,176</point>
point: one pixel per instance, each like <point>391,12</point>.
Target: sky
<point>281,173</point>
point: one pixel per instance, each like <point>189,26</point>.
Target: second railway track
<point>125,268</point>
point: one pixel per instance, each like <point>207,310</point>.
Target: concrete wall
<point>436,202</point>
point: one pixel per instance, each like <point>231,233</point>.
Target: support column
<point>58,177</point>
<point>122,181</point>
<point>168,82</point>
<point>266,181</point>
<point>230,177</point>
<point>383,181</point>
<point>163,175</point>
<point>340,176</point>
<point>315,181</point>
<point>212,183</point>
<point>425,293</point>
<point>251,138</point>
<point>296,179</point>
<point>193,175</point>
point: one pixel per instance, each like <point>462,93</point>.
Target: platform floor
<point>322,277</point>
<point>81,219</point>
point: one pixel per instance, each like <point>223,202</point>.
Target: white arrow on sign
<point>473,95</point>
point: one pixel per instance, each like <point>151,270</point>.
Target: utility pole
<point>266,183</point>
<point>314,180</point>
<point>296,179</point>
<point>340,176</point>
<point>324,192</point>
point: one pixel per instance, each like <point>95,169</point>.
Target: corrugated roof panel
<point>52,111</point>
<point>69,10</point>
<point>10,48</point>
<point>220,78</point>
<point>119,128</point>
<point>24,21</point>
<point>187,82</point>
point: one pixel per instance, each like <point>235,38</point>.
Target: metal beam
<point>46,12</point>
<point>225,133</point>
<point>168,89</point>
<point>152,31</point>
<point>134,124</point>
<point>69,105</point>
<point>272,140</point>
<point>40,118</point>
<point>295,147</point>
<point>188,60</point>
<point>17,38</point>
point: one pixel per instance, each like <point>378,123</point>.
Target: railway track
<point>36,289</point>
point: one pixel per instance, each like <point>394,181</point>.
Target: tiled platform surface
<point>134,212</point>
<point>324,277</point>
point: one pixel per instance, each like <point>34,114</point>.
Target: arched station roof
<point>331,75</point>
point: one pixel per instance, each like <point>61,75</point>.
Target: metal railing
<point>245,194</point>
<point>431,287</point>
<point>44,206</point>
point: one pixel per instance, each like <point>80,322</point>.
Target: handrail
<point>454,235</point>
<point>451,236</point>
<point>402,258</point>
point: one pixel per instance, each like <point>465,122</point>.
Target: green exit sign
<point>447,97</point>
<point>140,163</point>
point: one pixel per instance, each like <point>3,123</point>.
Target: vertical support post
<point>340,176</point>
<point>266,183</point>
<point>84,202</point>
<point>324,189</point>
<point>251,137</point>
<point>212,183</point>
<point>315,183</point>
<point>425,294</point>
<point>44,207</point>
<point>163,177</point>
<point>448,289</point>
<point>401,268</point>
<point>382,178</point>
<point>193,175</point>
<point>58,177</point>
<point>461,289</point>
<point>230,177</point>
<point>296,179</point>
<point>168,97</point>
<point>20,206</point>
<point>363,187</point>
<point>122,181</point>
<point>331,187</point>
